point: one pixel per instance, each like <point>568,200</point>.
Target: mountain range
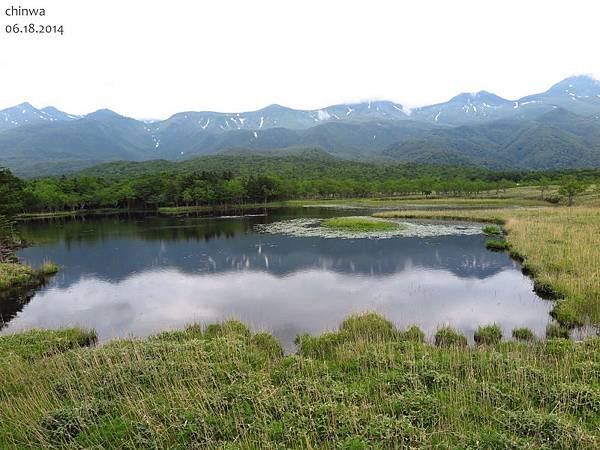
<point>559,128</point>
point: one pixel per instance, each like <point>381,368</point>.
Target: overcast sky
<point>150,59</point>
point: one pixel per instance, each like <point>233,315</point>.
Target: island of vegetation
<point>360,224</point>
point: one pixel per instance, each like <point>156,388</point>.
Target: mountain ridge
<point>588,87</point>
<point>469,129</point>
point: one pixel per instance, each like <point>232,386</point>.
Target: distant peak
<point>25,105</point>
<point>274,107</point>
<point>50,109</point>
<point>576,82</point>
<point>483,96</point>
<point>103,114</point>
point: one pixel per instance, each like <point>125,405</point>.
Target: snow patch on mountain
<point>323,115</point>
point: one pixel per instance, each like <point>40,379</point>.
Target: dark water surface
<point>138,275</point>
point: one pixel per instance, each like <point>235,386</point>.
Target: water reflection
<point>139,276</point>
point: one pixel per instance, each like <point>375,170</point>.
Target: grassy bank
<point>559,247</point>
<point>76,213</point>
<point>175,210</point>
<point>16,275</point>
<point>13,274</point>
<point>366,386</point>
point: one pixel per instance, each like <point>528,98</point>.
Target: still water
<point>138,275</point>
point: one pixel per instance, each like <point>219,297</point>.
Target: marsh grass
<point>523,334</point>
<point>449,337</point>
<point>37,343</point>
<point>48,268</point>
<point>360,224</point>
<point>15,275</point>
<point>364,386</point>
<point>556,330</point>
<point>559,246</point>
<point>492,230</point>
<point>497,245</point>
<point>489,334</point>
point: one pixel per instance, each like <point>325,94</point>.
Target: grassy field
<point>559,247</point>
<point>522,196</point>
<point>366,386</point>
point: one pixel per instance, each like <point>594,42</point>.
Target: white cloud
<point>154,58</point>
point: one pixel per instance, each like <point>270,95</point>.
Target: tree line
<point>200,188</point>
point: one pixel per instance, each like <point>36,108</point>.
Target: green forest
<point>234,180</point>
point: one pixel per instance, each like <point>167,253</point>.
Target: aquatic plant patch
<point>353,230</point>
<point>359,224</point>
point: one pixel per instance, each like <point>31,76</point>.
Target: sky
<point>150,58</point>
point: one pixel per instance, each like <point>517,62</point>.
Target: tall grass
<point>367,385</point>
<point>15,274</point>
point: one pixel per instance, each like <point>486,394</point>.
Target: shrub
<point>555,330</point>
<point>490,334</point>
<point>448,337</point>
<point>523,334</point>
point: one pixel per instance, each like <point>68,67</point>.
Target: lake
<point>137,275</point>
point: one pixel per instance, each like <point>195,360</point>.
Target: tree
<point>426,184</point>
<point>570,187</point>
<point>11,193</point>
<point>544,184</point>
